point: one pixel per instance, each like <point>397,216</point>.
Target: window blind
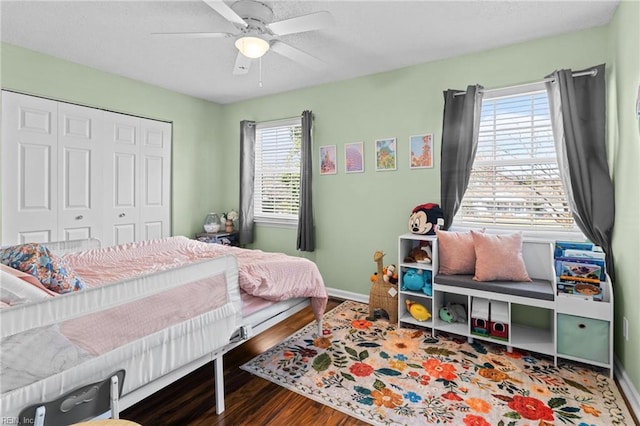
<point>277,170</point>
<point>515,181</point>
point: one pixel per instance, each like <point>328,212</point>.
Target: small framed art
<point>328,160</point>
<point>421,151</point>
<point>386,154</point>
<point>354,157</point>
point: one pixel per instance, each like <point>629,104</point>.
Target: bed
<point>155,309</point>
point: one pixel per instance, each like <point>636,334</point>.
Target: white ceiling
<point>368,37</point>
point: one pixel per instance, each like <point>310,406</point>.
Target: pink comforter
<point>272,276</point>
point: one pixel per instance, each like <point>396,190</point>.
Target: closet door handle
<point>121,215</point>
<point>79,217</point>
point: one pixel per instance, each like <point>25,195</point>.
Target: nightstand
<point>224,238</point>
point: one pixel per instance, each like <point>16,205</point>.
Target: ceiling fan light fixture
<point>252,47</point>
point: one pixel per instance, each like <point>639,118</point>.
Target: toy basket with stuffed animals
<point>380,298</point>
<point>384,292</point>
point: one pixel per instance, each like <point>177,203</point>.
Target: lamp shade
<point>252,47</point>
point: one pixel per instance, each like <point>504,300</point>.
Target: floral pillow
<point>52,271</point>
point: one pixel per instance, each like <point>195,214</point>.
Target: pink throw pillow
<point>499,257</point>
<point>456,253</point>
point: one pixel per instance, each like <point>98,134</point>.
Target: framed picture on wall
<point>386,154</point>
<point>354,157</point>
<point>328,160</point>
<point>421,151</point>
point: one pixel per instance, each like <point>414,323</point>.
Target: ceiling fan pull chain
<point>260,80</point>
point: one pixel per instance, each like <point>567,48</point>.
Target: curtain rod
<point>277,120</point>
<point>592,73</point>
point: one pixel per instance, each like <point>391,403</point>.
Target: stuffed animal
<point>453,312</point>
<point>417,280</point>
<point>424,218</point>
<point>428,287</point>
<point>412,280</point>
<point>419,254</point>
<point>417,310</point>
<point>389,274</point>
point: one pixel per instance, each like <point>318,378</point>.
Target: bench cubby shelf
<point>564,326</point>
<point>405,245</point>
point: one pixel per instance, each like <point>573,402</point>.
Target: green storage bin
<point>584,338</point>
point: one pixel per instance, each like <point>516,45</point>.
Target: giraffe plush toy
<point>383,294</point>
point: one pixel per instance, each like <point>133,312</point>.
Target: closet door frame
<point>98,173</point>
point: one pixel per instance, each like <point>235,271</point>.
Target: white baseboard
<point>348,295</point>
<point>630,392</point>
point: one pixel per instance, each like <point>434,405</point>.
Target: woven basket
<point>379,298</point>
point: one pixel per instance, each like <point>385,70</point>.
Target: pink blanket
<point>272,276</point>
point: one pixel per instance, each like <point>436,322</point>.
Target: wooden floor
<point>249,400</point>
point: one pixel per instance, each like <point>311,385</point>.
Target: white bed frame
<point>54,310</point>
<point>279,312</point>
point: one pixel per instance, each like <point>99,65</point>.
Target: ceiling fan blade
<point>193,35</point>
<point>300,24</point>
<point>226,12</point>
<point>242,64</point>
<point>298,56</point>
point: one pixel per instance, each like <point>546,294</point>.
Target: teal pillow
<point>36,259</point>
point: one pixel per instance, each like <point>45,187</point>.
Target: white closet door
<point>73,172</point>
<point>155,178</point>
<point>122,179</point>
<point>29,169</point>
<point>80,172</point>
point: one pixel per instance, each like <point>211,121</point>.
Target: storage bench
<point>525,315</point>
<point>536,289</point>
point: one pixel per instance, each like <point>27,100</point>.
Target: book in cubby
<point>580,269</point>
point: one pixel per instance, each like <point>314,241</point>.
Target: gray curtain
<point>306,238</point>
<point>247,177</point>
<point>460,125</point>
<point>578,112</point>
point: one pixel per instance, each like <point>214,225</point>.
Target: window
<point>515,182</point>
<point>277,171</point>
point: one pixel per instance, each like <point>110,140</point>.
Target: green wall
<point>624,138</point>
<point>197,166</point>
<point>357,214</point>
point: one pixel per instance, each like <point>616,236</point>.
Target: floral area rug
<point>388,376</point>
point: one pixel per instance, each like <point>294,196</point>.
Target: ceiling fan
<point>256,33</point>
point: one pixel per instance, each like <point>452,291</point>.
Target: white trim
<point>517,90</point>
<point>629,391</point>
<point>283,122</point>
<point>276,222</point>
<point>528,234</point>
<point>347,295</point>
